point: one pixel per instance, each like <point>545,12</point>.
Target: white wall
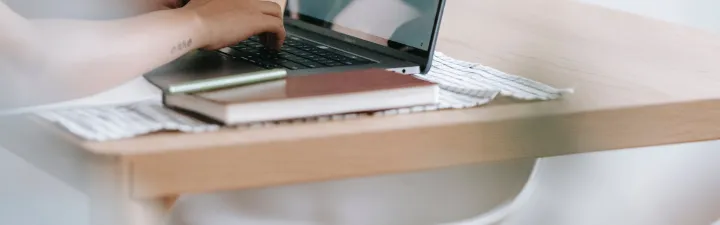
<point>697,13</point>
<point>30,196</point>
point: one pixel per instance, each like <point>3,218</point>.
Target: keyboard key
<point>339,58</point>
<point>295,54</point>
<point>255,44</point>
<point>313,57</point>
<point>326,62</point>
<point>291,65</point>
<point>246,48</point>
<point>289,49</point>
<point>325,54</point>
<point>334,64</point>
<point>313,65</point>
<point>251,51</point>
<point>269,65</point>
<point>241,48</point>
<point>269,57</point>
<point>298,52</point>
<point>302,54</point>
<point>233,52</point>
<point>305,47</point>
<point>302,61</point>
<point>291,42</point>
<point>285,55</point>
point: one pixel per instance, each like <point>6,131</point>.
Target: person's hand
<point>227,22</point>
<point>145,6</point>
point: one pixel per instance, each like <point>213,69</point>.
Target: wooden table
<point>638,82</point>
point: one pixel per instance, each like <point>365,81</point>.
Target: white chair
<point>421,198</point>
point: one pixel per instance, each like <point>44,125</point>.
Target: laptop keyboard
<point>295,54</point>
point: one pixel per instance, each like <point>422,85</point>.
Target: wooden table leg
<point>106,180</point>
<point>142,211</point>
<point>145,212</point>
<point>169,202</point>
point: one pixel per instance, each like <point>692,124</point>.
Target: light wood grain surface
<point>638,82</point>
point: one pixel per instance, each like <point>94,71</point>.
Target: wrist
<point>196,27</point>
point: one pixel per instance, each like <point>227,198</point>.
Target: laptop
<point>323,36</point>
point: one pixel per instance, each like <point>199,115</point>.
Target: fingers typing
<point>274,30</point>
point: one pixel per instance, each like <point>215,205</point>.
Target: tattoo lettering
<point>181,46</point>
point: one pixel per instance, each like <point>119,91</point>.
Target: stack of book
<point>307,96</point>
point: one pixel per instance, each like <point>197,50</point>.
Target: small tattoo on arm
<point>181,46</point>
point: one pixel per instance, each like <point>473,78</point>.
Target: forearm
<point>65,59</point>
<point>53,60</point>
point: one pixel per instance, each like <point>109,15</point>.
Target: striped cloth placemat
<point>463,85</point>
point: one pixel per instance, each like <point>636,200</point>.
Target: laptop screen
<point>404,25</point>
